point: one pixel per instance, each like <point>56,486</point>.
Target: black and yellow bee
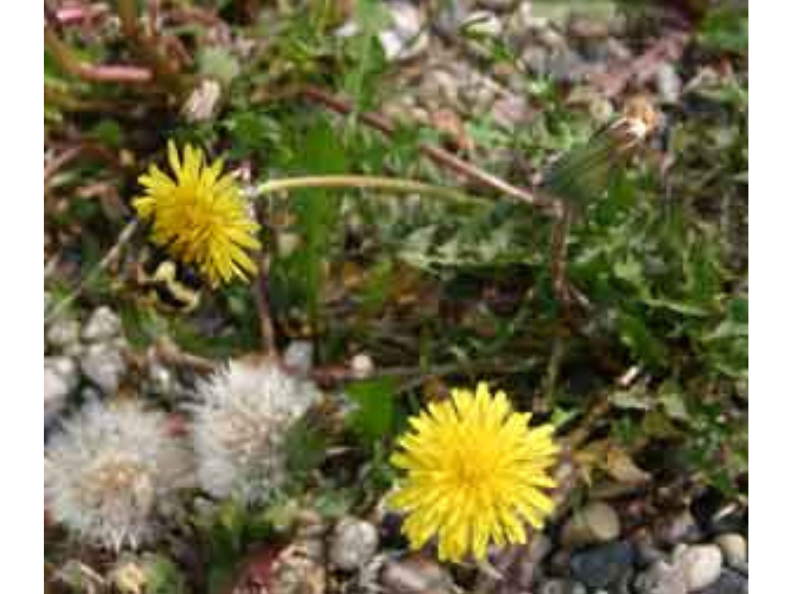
<point>166,284</point>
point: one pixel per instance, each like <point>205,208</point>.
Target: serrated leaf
<point>635,397</point>
<point>673,401</point>
<point>374,416</point>
<point>640,340</point>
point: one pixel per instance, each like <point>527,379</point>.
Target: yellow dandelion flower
<point>474,474</point>
<point>200,216</point>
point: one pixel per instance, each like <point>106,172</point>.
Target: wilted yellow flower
<point>200,217</point>
<point>474,474</point>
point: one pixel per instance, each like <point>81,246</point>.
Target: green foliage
<point>373,419</point>
<point>163,576</point>
<point>725,29</point>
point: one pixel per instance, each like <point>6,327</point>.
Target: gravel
<point>595,523</point>
<point>735,550</point>
<point>353,544</point>
<point>102,326</point>
<point>104,365</point>
<point>60,378</point>
<point>701,564</point>
<point>602,565</point>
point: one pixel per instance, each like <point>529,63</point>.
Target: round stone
<point>353,544</point>
<point>701,565</point>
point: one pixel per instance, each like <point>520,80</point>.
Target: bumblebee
<point>166,284</point>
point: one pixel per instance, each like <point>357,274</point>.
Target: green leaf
<point>374,417</point>
<point>163,576</point>
<point>673,401</point>
<point>305,447</point>
<point>635,397</point>
<point>726,29</point>
<point>640,340</point>
<point>317,210</point>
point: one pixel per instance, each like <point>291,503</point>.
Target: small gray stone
<point>353,544</point>
<point>646,549</point>
<point>452,16</point>
<point>104,365</point>
<point>566,66</point>
<point>415,575</point>
<point>362,365</point>
<point>162,380</point>
<point>603,565</point>
<point>595,523</point>
<point>539,547</point>
<point>536,59</point>
<point>63,333</point>
<point>680,527</point>
<point>701,565</point>
<point>556,586</point>
<point>729,582</point>
<point>299,355</point>
<point>734,549</point>
<point>406,38</point>
<point>661,578</point>
<point>60,378</point>
<point>668,83</point>
<point>103,325</point>
<point>510,111</point>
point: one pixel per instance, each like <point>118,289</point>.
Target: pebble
<point>353,544</point>
<point>646,549</point>
<point>452,16</point>
<point>102,326</point>
<point>668,83</point>
<point>566,66</point>
<point>602,565</point>
<point>700,564</point>
<point>362,365</point>
<point>60,378</point>
<point>299,356</point>
<point>560,586</point>
<point>407,37</point>
<point>440,85</point>
<point>510,111</point>
<point>63,333</point>
<point>661,578</point>
<point>735,550</point>
<point>680,527</point>
<point>729,582</point>
<point>595,523</point>
<point>415,575</point>
<point>536,59</point>
<point>104,365</point>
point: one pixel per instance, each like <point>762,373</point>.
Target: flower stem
<point>362,182</point>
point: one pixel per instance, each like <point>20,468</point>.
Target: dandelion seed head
<point>108,470</point>
<point>239,426</point>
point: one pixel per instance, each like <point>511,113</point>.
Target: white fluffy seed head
<point>239,425</point>
<point>110,468</point>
